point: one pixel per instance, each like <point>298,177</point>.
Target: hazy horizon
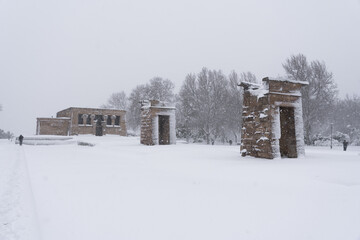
<point>60,54</point>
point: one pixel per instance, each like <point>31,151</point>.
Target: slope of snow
<point>119,189</point>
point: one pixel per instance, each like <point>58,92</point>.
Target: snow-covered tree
<point>248,77</point>
<point>234,105</point>
<point>6,135</point>
<point>186,108</point>
<point>161,89</point>
<point>318,97</point>
<point>203,100</point>
<point>209,106</point>
<point>117,100</point>
<point>157,89</point>
<point>346,118</point>
<point>133,114</point>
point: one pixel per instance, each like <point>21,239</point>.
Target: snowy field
<point>119,189</point>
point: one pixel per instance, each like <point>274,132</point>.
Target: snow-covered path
<point>122,190</point>
<point>18,218</point>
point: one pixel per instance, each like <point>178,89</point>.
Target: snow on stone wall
<point>299,128</point>
<point>155,130</point>
<point>276,132</point>
<point>155,126</point>
<point>261,132</point>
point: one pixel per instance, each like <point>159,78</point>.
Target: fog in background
<point>73,53</point>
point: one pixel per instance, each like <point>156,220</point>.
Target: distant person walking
<point>345,144</point>
<point>21,138</point>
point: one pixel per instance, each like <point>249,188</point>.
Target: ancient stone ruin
<point>157,123</point>
<point>272,119</point>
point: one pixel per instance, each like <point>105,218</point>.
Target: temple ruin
<point>272,119</point>
<point>157,123</point>
<point>74,121</point>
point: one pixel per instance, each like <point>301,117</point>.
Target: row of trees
<point>3,134</point>
<point>318,98</point>
<point>323,110</point>
<point>345,118</point>
<point>209,104</point>
<point>6,135</point>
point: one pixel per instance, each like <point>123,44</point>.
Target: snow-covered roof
<point>51,118</point>
<point>280,79</point>
<point>294,94</point>
<point>91,109</point>
<point>250,85</point>
<point>156,104</point>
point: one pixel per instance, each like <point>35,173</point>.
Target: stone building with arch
<point>75,121</point>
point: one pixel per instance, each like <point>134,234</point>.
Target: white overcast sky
<point>57,54</point>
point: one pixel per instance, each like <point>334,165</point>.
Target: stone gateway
<point>157,123</point>
<point>272,119</point>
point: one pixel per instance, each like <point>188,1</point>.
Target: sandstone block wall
<point>53,126</point>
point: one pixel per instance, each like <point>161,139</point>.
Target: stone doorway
<point>99,128</point>
<point>288,136</point>
<point>164,130</point>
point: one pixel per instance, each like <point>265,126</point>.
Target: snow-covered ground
<point>119,189</point>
